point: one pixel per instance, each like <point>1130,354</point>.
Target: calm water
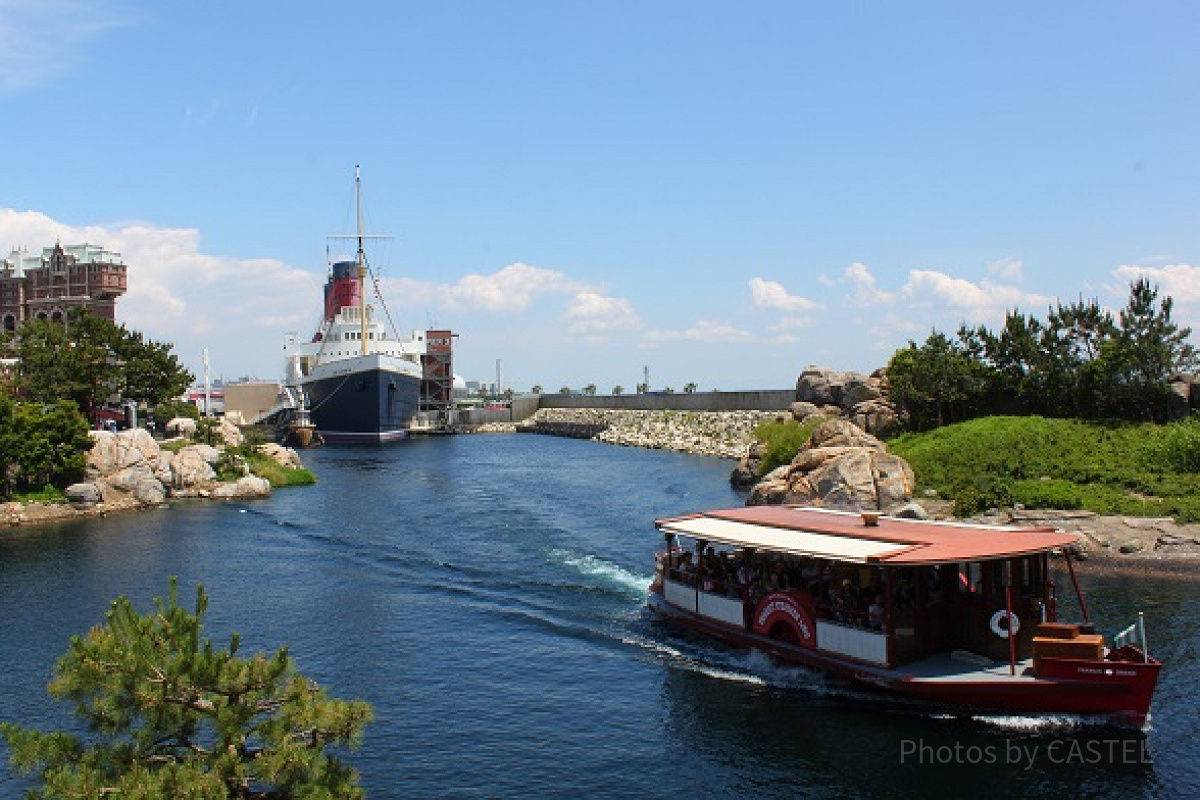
<point>486,595</point>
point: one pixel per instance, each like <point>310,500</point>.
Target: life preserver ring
<point>1014,624</point>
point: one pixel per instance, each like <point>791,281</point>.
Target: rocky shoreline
<point>1116,542</point>
<point>129,470</point>
<point>718,434</point>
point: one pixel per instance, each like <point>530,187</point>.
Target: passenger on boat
<point>843,602</point>
<point>875,614</point>
<point>687,570</point>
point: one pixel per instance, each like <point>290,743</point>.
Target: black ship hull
<point>366,406</point>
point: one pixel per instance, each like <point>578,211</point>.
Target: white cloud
<point>238,308</point>
<point>512,288</point>
<point>928,288</point>
<point>772,295</point>
<point>593,315</point>
<point>864,289</point>
<point>1008,268</point>
<point>784,338</point>
<point>793,323</point>
<point>701,331</point>
<point>42,40</point>
<point>1180,281</point>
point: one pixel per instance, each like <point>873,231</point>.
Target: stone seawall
<point>722,434</point>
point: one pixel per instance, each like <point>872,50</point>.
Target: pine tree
<point>171,715</point>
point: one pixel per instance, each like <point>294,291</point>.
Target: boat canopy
<point>864,538</point>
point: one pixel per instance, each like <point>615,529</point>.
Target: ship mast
<point>362,266</point>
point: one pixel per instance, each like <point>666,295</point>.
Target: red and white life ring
<point>1014,624</point>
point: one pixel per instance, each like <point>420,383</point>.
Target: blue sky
<point>721,192</point>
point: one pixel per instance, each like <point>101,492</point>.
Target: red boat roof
<point>846,536</point>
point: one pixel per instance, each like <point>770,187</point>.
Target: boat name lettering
<point>788,607</point>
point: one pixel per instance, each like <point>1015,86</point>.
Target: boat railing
<point>1135,634</point>
<point>856,642</point>
<point>707,604</point>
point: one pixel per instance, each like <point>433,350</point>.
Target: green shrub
<point>984,493</point>
<point>1175,447</point>
<point>1138,469</point>
<point>165,412</point>
<point>783,440</point>
<point>276,474</point>
<point>1053,493</point>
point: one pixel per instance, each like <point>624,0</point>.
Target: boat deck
<point>961,666</point>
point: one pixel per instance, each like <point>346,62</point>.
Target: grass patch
<point>1135,469</point>
<point>277,475</point>
<point>783,441</point>
<point>1126,468</point>
<point>47,496</point>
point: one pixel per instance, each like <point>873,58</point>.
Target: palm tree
<point>618,390</point>
<point>590,389</point>
<point>688,388</point>
<point>537,389</point>
<point>565,390</point>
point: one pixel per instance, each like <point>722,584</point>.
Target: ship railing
<point>1134,634</point>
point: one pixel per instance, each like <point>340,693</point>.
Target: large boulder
<point>821,386</point>
<point>182,426</point>
<point>283,456</point>
<point>112,452</point>
<point>192,467</point>
<point>83,495</point>
<point>230,433</point>
<point>842,433</point>
<point>877,417</point>
<point>248,486</point>
<point>841,466</point>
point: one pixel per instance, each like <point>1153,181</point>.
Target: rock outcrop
<point>860,398</point>
<point>128,470</point>
<point>842,466</point>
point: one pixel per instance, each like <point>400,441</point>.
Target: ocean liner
<point>358,383</point>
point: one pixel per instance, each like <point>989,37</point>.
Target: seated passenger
<point>875,614</point>
<point>843,602</point>
<point>687,570</point>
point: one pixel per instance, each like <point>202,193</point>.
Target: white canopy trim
<point>781,540</point>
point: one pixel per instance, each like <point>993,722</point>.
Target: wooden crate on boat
<point>1056,630</point>
<point>1089,647</point>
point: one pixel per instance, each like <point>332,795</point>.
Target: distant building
<point>61,278</point>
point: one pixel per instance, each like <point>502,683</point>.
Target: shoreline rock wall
<point>720,434</point>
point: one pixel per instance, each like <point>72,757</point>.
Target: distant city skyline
<point>723,193</point>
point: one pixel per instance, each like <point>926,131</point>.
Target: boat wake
<point>610,574</point>
<point>1047,723</point>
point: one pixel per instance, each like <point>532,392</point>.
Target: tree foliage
<point>41,444</point>
<point>171,715</point>
<point>90,359</point>
<point>1080,362</point>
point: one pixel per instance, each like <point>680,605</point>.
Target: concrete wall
<point>765,400</point>
<point>250,399</point>
<point>524,406</point>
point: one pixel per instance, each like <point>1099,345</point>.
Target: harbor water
<point>486,594</point>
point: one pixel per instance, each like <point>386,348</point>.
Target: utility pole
<point>207,387</point>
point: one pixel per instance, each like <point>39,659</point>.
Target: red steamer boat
<point>956,615</point>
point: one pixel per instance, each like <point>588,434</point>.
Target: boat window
<point>1031,575</point>
<point>933,585</point>
<point>970,577</point>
